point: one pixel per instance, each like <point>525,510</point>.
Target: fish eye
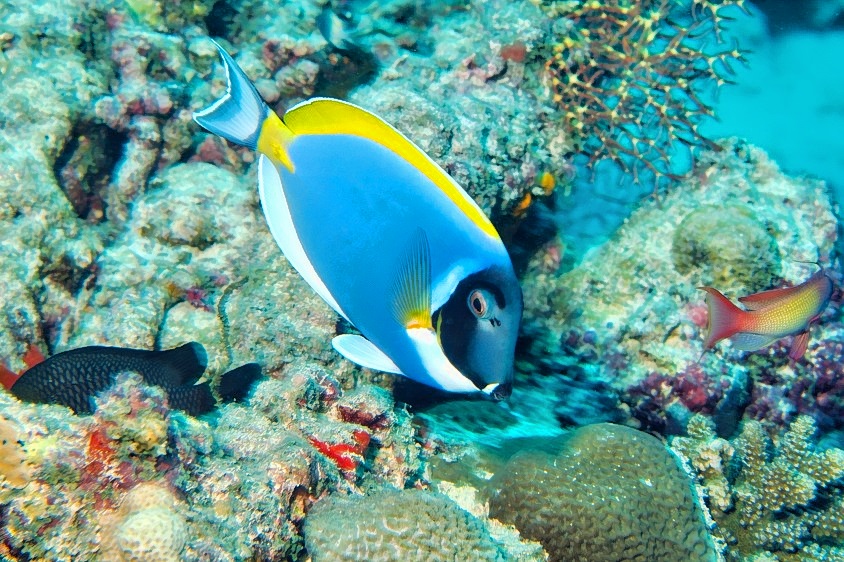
<point>479,302</point>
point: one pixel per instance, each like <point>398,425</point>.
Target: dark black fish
<point>72,378</point>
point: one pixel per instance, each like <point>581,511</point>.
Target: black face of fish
<point>478,326</point>
<point>72,378</point>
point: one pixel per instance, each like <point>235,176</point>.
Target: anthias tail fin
<point>236,384</point>
<point>363,352</point>
<point>188,361</point>
<point>239,115</point>
<point>411,290</point>
<point>724,317</point>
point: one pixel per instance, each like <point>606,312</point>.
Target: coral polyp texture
<point>635,77</point>
<point>393,525</point>
<point>148,525</point>
<point>776,499</point>
<point>612,494</point>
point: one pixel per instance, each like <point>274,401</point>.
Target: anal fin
<point>799,345</point>
<point>363,352</point>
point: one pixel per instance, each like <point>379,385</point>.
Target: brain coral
<point>731,247</point>
<point>406,525</point>
<point>612,494</point>
<point>147,526</point>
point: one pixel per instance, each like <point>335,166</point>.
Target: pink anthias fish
<point>770,315</point>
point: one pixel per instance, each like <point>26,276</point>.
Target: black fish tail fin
<point>194,399</point>
<point>188,360</point>
<point>235,385</point>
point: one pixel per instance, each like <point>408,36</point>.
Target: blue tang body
<point>384,236</point>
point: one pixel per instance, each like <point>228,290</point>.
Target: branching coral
<point>631,75</point>
<point>788,496</point>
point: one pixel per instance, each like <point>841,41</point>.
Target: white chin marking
<point>437,364</point>
<point>490,388</point>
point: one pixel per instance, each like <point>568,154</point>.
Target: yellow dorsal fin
<point>324,116</point>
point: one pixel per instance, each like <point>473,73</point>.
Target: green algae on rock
<point>613,493</point>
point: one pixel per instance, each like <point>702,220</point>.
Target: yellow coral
<point>14,470</point>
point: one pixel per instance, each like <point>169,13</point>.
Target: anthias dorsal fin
<point>411,290</point>
<point>325,116</point>
<point>758,301</point>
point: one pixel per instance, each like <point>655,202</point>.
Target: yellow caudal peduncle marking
<point>273,141</point>
<point>333,117</point>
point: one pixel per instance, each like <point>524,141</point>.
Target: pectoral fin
<point>411,290</point>
<point>363,352</point>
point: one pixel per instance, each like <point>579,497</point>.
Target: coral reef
<point>397,525</point>
<point>613,493</point>
<point>122,223</point>
<point>630,314</point>
<point>254,473</point>
<point>697,245</point>
<point>782,501</point>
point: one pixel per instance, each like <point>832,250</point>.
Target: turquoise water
<point>625,153</point>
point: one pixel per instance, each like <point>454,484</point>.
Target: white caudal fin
<point>239,115</point>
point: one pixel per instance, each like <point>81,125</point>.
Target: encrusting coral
<point>14,471</point>
<point>781,499</point>
<point>613,493</point>
<point>407,525</point>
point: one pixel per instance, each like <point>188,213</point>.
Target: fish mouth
<point>498,391</point>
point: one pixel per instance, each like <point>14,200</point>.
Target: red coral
<point>195,296</point>
<point>346,456</point>
<point>692,387</point>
